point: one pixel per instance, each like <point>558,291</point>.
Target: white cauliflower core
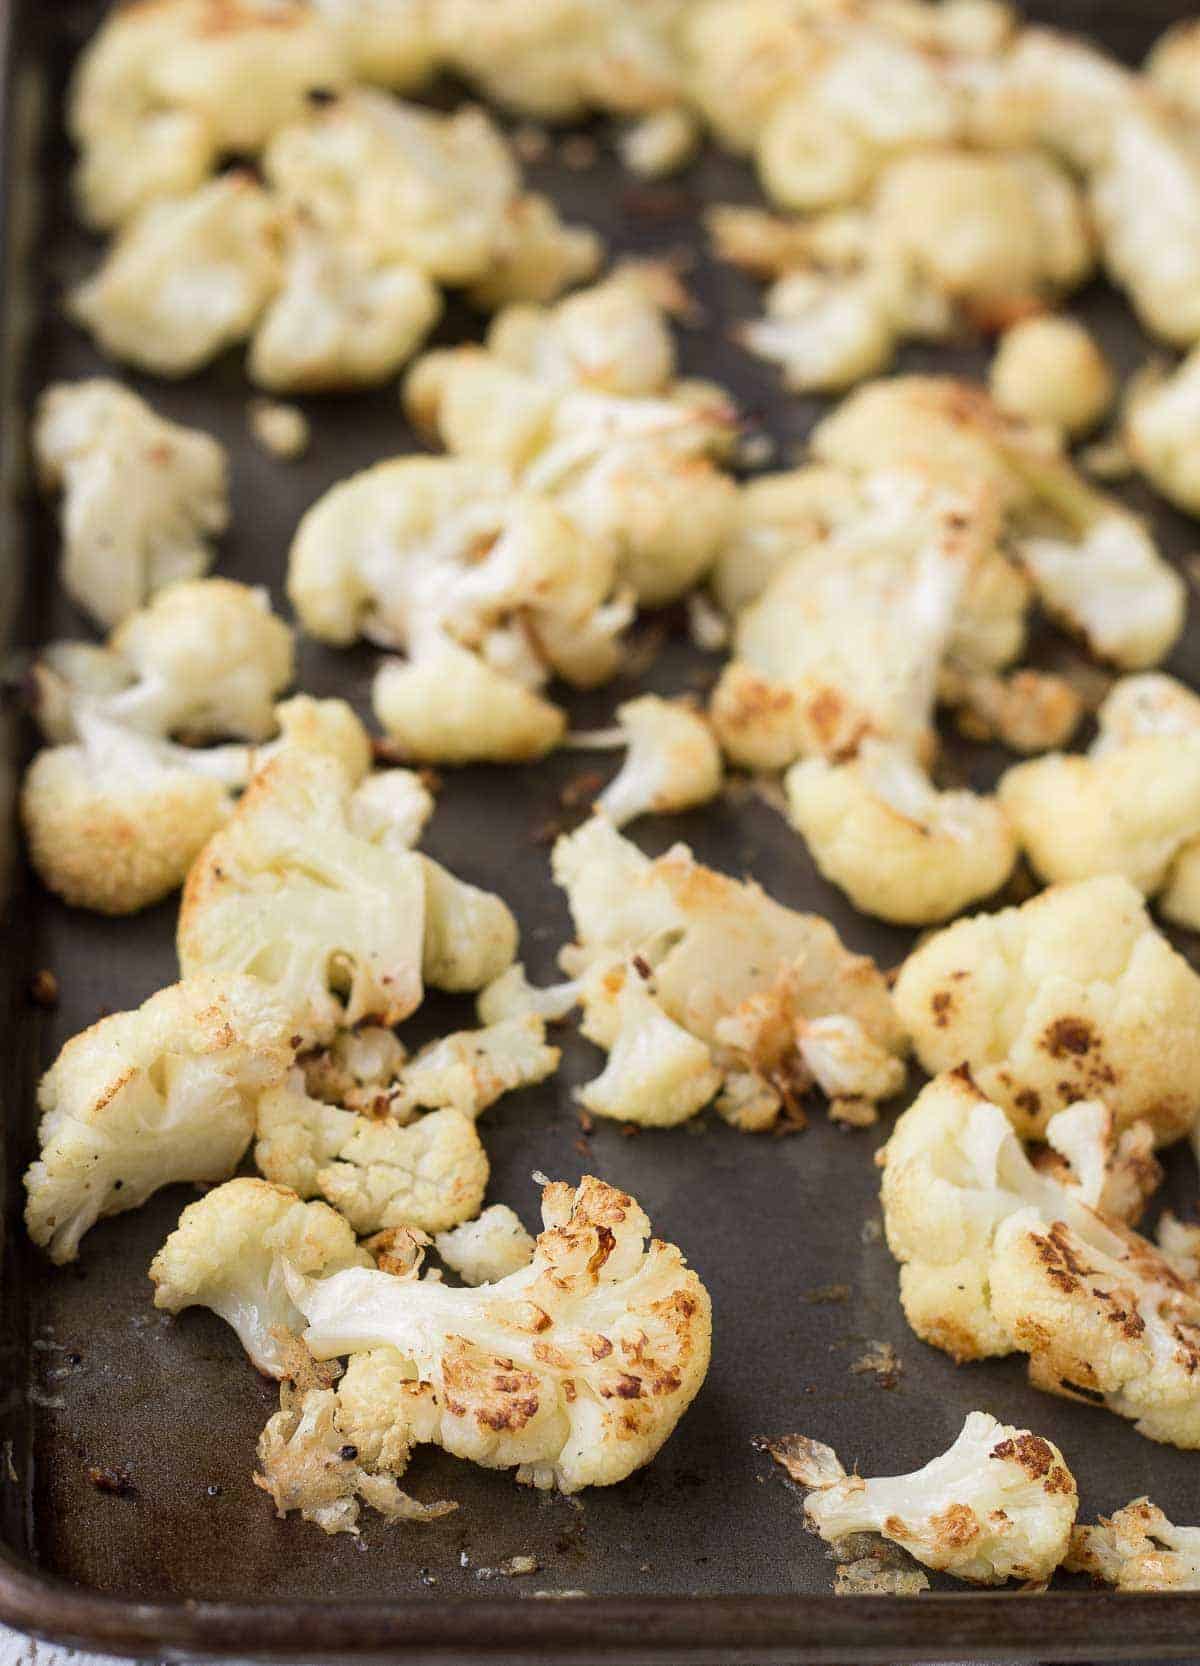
<point>998,1256</point>
<point>205,659</point>
<point>148,1098</point>
<point>485,1250</point>
<point>305,887</point>
<point>695,982</point>
<point>229,1252</point>
<point>142,498</point>
<point>1075,995</point>
<point>898,847</point>
<point>574,1370</point>
<point>1138,1549</point>
<point>998,1505</point>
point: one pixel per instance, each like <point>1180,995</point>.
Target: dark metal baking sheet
<point>701,1557</point>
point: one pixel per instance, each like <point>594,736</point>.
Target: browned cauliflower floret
<point>148,1098</point>
<point>142,497</point>
<point>998,1505</point>
<point>574,1370</point>
<point>1137,1549</point>
<point>1075,995</point>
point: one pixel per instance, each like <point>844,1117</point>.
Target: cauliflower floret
<point>660,144</point>
<point>205,658</point>
<point>1094,565</point>
<point>115,820</point>
<point>142,497</point>
<point>559,59</point>
<point>779,514</point>
<point>375,1171</point>
<point>673,762</point>
<point>356,1068</point>
<point>470,934</point>
<point>391,808</point>
<point>406,184</point>
<point>1052,370</point>
<point>471,1069</point>
<point>900,849</point>
<point>187,278</point>
<point>511,995</point>
<point>1028,711</point>
<point>393,42</point>
<point>229,1251</point>
<point>163,90</point>
<point>727,966</point>
<point>308,1465</point>
<point>828,330</point>
<point>1162,432</point>
<point>485,1250</point>
<point>955,1170</point>
<point>332,919</point>
<point>1137,1549</point>
<point>148,1098</point>
<point>281,430</point>
<point>331,727</point>
<point>846,640</point>
<point>658,1075</point>
<point>342,318</point>
<point>447,705</point>
<point>538,256</point>
<point>620,1350</point>
<point>998,1505</point>
<point>415,550</point>
<point>1075,995</point>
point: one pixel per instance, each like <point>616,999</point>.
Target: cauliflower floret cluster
<point>1075,995</point>
<point>1093,565</point>
<point>204,659</point>
<point>345,925</point>
<point>673,761</point>
<point>142,497</point>
<point>489,590</point>
<point>845,640</point>
<point>1131,806</point>
<point>148,1098</point>
<point>1138,1549</point>
<point>998,1505</point>
<point>697,984</point>
<point>229,1253</point>
<point>581,401</point>
<point>164,90</point>
<point>899,848</point>
<point>574,1370</point>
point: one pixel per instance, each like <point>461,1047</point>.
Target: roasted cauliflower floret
<point>511,995</point>
<point>393,42</point>
<point>673,762</point>
<point>470,934</point>
<point>186,278</point>
<point>998,1505</point>
<point>114,820</point>
<point>1052,370</point>
<point>142,497</point>
<point>1075,995</point>
<point>377,1172</point>
<point>148,1098</point>
<point>538,256</point>
<point>955,1170</point>
<point>341,319</point>
<point>1027,711</point>
<point>1162,432</point>
<point>333,920</point>
<point>900,849</point>
<point>1137,1549</point>
<point>1093,565</point>
<point>660,144</point>
<point>672,954</point>
<point>846,640</point>
<point>229,1251</point>
<point>485,1250</point>
<point>444,704</point>
<point>574,1370</point>
<point>560,59</point>
<point>307,1464</point>
<point>204,659</point>
<point>471,1069</point>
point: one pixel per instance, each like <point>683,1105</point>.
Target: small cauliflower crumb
<point>229,1251</point>
<point>282,430</point>
<point>485,1250</point>
<point>660,144</point>
<point>900,849</point>
<point>1074,995</point>
<point>998,1505</point>
<point>1051,370</point>
<point>1137,1549</point>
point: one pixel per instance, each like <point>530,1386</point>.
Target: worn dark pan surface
<point>702,1556</point>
